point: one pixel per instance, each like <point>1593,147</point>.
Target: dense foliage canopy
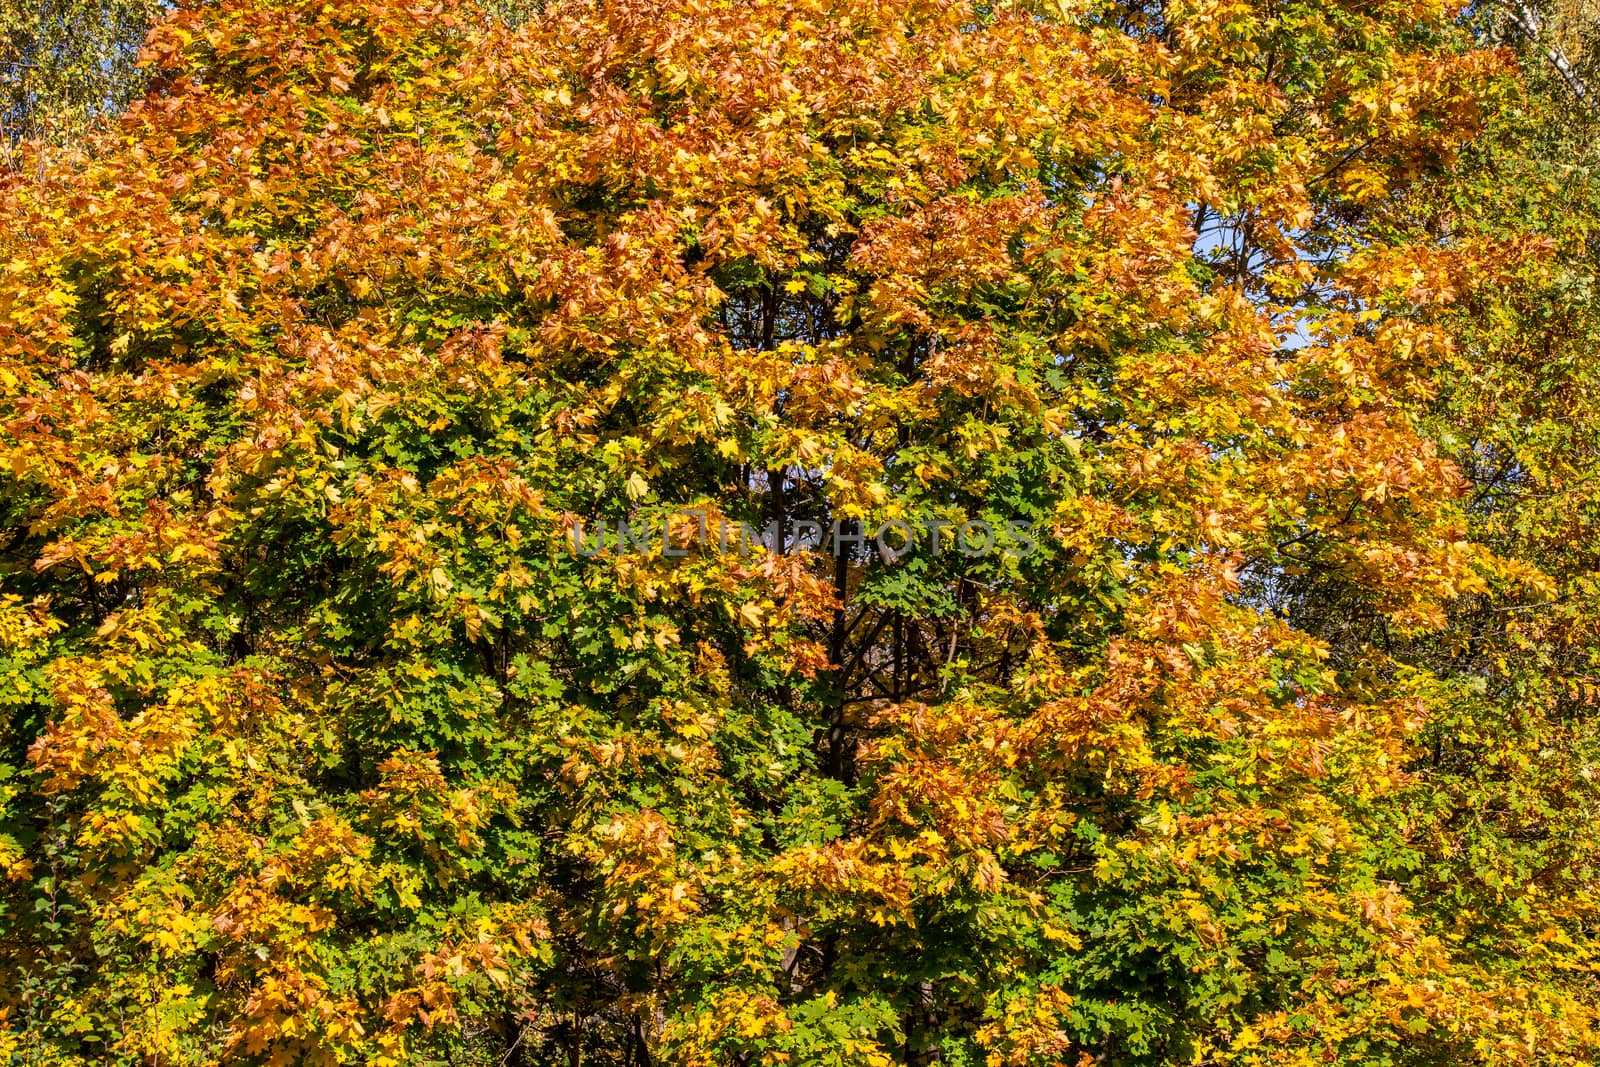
<point>327,736</point>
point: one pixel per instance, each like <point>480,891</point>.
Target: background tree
<point>1500,817</point>
<point>64,63</point>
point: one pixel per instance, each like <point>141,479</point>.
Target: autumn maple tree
<point>332,734</point>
